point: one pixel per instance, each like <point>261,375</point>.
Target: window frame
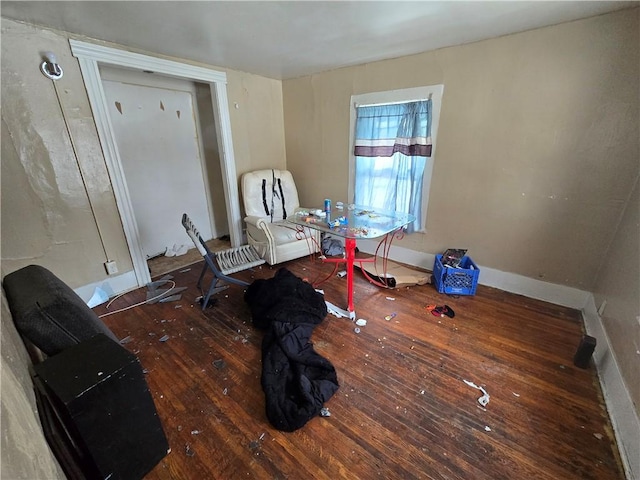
<point>399,96</point>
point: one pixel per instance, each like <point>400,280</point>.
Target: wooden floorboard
<point>403,409</point>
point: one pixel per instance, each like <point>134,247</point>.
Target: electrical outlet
<point>111,267</point>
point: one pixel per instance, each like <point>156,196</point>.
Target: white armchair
<point>269,196</point>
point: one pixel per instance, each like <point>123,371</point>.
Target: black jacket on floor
<point>296,380</point>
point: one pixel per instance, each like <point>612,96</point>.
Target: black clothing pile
<point>296,380</point>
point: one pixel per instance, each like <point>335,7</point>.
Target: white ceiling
<point>291,39</point>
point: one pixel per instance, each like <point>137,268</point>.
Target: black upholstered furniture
<point>93,401</point>
<point>96,390</point>
<point>47,312</point>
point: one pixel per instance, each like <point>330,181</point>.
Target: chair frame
<point>222,263</point>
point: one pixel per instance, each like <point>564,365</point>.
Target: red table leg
<point>350,260</point>
<point>350,250</point>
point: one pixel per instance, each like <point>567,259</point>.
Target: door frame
<point>89,57</point>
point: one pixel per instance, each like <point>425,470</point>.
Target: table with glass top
<point>352,223</point>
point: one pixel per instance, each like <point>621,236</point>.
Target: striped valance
<point>383,130</point>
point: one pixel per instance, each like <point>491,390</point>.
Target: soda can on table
<point>327,210</point>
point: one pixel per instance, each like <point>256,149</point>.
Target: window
<point>391,160</point>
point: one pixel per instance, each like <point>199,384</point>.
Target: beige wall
<point>537,149</point>
<point>50,196</point>
<point>58,207</point>
<point>25,453</point>
<point>257,123</point>
<point>619,284</point>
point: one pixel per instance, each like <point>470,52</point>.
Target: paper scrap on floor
<point>396,275</point>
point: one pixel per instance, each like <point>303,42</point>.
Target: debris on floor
<point>171,298</point>
<point>361,322</point>
<point>158,283</point>
<point>176,250</point>
<point>484,399</point>
<point>156,294</point>
<point>164,338</point>
<point>395,275</point>
<point>212,301</point>
<point>99,297</point>
<point>440,310</point>
<point>253,445</point>
<point>336,311</point>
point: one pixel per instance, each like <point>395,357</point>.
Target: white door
<point>157,136</point>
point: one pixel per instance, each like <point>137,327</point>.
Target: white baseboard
<point>509,282</point>
<point>625,421</point>
<point>113,286</point>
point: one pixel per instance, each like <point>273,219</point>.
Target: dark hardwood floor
<point>403,409</point>
<point>161,265</point>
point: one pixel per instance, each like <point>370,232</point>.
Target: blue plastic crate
<point>456,281</point>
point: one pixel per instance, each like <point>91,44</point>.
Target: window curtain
<point>392,145</point>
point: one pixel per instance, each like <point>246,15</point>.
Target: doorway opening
<point>171,164</point>
<point>91,57</point>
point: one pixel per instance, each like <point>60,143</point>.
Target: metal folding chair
<point>222,264</point>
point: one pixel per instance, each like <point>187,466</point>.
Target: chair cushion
<point>263,191</point>
<point>48,312</point>
<point>284,232</point>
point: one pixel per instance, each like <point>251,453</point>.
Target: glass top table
<point>352,222</point>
